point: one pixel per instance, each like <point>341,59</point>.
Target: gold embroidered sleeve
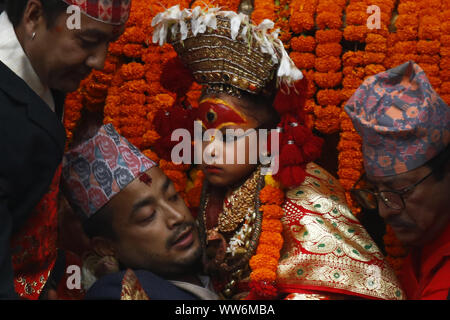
<point>326,248</point>
<point>132,288</point>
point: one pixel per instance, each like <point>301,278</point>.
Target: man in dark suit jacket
<point>145,243</point>
<point>40,59</point>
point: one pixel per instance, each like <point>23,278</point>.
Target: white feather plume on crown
<point>201,19</point>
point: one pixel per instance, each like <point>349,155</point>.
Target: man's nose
<point>174,217</point>
<point>96,59</point>
<point>384,211</point>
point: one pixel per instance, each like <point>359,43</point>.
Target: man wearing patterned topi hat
<point>42,56</point>
<point>405,127</point>
<point>135,219</point>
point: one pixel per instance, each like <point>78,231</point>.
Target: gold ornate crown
<point>224,50</point>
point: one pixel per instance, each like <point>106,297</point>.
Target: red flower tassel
<point>291,176</point>
<point>291,155</point>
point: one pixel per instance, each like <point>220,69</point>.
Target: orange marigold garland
<point>328,66</point>
<point>263,9</point>
<point>264,263</point>
<point>444,75</point>
<point>139,78</point>
<point>350,163</point>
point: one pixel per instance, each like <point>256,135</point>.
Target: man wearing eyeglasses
<point>405,128</point>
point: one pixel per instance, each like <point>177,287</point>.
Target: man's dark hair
<point>439,163</point>
<point>100,224</point>
<point>51,10</point>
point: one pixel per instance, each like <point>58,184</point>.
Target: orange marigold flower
<point>263,10</point>
<point>309,105</point>
<point>377,47</point>
<point>164,101</point>
<point>428,47</point>
<point>351,135</point>
<point>301,21</point>
<point>303,60</point>
<point>356,17</point>
<point>373,57</point>
<point>407,22</point>
<point>405,47</point>
<point>355,33</point>
<point>445,73</point>
<point>430,59</point>
<point>348,146</point>
<point>132,71</point>
<point>134,35</point>
<point>328,6</point>
<point>430,69</point>
<point>150,137</point>
<point>151,155</point>
<point>445,51</point>
<point>135,86</point>
<point>329,97</point>
<point>353,58</point>
<point>349,173</point>
<point>177,177</point>
<point>329,49</point>
<point>408,8</point>
<point>327,119</point>
<point>263,275</point>
<point>131,98</point>
<point>132,50</point>
<point>272,211</point>
<point>446,98</point>
<point>347,93</point>
<point>271,195</point>
<point>350,82</point>
<point>356,6</point>
<point>271,238</point>
<point>445,40</point>
<point>430,29</point>
<point>269,251</point>
<point>272,225</point>
<point>328,80</point>
<point>326,64</point>
<point>115,49</point>
<point>375,38</point>
<point>262,261</point>
<point>136,141</point>
<point>303,44</point>
<point>331,20</point>
<point>328,36</point>
<point>406,34</point>
<point>373,69</point>
<point>351,71</point>
<point>445,87</point>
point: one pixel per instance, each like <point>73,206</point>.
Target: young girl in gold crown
<point>285,234</point>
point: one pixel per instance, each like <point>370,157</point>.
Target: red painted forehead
<point>216,113</point>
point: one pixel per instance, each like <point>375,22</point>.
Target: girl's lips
<point>213,169</point>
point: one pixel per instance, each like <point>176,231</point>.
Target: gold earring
<point>33,35</point>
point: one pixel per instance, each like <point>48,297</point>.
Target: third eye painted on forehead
<point>216,114</point>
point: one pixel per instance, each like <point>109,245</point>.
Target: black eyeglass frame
<point>378,195</point>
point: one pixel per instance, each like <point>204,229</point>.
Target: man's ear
<point>102,247</point>
<point>32,16</point>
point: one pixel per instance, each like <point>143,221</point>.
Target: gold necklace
<point>237,268</point>
<point>239,204</point>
